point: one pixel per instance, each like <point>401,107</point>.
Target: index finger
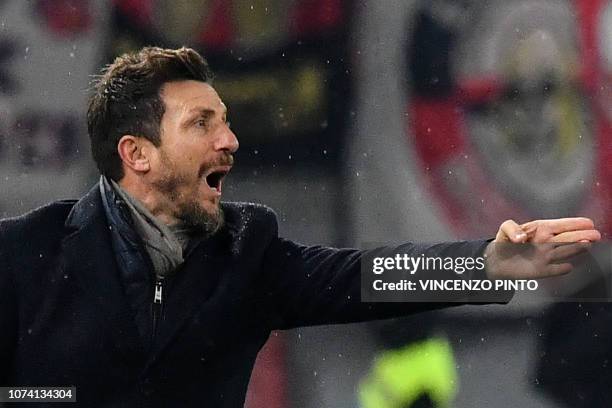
<point>560,225</point>
<point>577,236</point>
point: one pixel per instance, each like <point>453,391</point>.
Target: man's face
<point>195,153</point>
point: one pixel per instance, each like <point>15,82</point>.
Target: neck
<point>157,204</point>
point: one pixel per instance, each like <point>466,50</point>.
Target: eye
<point>202,123</point>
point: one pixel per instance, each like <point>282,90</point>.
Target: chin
<point>212,206</point>
<point>206,215</point>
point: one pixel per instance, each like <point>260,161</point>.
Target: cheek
<point>184,161</point>
<point>189,158</point>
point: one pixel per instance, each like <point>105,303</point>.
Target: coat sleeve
<point>312,285</point>
<point>8,311</point>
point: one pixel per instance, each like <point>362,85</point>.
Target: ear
<point>134,152</point>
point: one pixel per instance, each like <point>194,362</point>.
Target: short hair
<point>127,99</point>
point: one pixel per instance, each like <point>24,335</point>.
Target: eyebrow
<point>201,112</point>
<point>207,113</point>
<point>196,113</point>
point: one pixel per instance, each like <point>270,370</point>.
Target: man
<point>149,291</point>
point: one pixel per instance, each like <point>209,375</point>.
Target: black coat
<point>65,319</point>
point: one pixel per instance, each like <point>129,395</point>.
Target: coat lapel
<point>89,257</point>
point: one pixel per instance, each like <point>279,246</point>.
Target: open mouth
<point>214,179</point>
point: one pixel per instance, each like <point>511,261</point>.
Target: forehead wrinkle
<point>200,102</point>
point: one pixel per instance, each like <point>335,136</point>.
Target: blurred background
<point>359,122</point>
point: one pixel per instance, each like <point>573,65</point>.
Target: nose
<point>227,140</point>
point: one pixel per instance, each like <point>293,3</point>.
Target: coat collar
<point>86,210</point>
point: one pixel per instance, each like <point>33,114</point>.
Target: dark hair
<point>127,100</point>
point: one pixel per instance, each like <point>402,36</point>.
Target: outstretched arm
<point>312,285</point>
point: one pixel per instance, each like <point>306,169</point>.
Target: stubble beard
<point>188,210</point>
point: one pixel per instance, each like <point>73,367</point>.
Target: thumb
<point>511,231</point>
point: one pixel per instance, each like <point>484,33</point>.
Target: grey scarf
<point>165,245</point>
